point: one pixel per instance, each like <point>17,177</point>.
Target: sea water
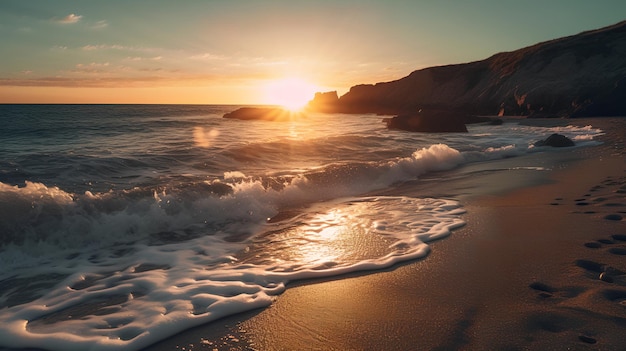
<point>121,225</point>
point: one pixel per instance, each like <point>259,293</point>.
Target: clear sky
<point>212,51</point>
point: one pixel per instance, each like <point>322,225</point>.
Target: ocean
<point>122,225</point>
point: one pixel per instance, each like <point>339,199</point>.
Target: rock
<point>605,277</point>
<point>324,102</point>
<point>556,140</point>
<point>579,75</point>
<point>429,122</point>
<point>261,113</point>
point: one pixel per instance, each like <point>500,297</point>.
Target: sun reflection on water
<point>368,229</point>
<point>337,236</point>
<point>203,137</point>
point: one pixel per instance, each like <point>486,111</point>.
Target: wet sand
<point>539,266</point>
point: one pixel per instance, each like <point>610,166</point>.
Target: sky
<point>229,52</point>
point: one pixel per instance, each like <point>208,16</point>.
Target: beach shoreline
<point>538,266</point>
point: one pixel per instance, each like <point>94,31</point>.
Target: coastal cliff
<point>575,76</point>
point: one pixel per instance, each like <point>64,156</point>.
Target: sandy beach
<point>539,266</point>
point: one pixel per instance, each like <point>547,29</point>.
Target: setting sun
<point>291,93</point>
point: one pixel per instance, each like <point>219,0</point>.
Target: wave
<point>36,215</point>
<point>141,296</point>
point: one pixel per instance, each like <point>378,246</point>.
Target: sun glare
<point>290,93</point>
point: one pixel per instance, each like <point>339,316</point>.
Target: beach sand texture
<point>540,265</point>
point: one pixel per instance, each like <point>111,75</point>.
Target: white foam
<point>135,300</point>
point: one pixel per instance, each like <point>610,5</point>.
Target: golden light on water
<point>326,236</point>
<point>203,137</point>
<point>361,230</point>
<point>338,235</point>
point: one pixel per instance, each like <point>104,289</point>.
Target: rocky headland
<point>576,76</point>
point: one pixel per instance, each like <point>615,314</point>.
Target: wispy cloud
<point>71,18</point>
<point>100,25</point>
<point>206,56</point>
<point>103,47</point>
<point>139,58</point>
<point>93,67</point>
<point>92,47</point>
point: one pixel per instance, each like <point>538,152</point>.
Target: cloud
<point>100,25</point>
<point>104,47</point>
<point>94,67</point>
<point>71,18</point>
<point>206,56</point>
<point>139,58</point>
<point>93,47</point>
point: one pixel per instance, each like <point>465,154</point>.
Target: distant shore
<point>540,265</point>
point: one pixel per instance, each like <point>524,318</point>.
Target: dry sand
<point>539,266</point>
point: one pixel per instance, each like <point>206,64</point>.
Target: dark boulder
<point>261,113</point>
<point>556,140</point>
<point>429,122</point>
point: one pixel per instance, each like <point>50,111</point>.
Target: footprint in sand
<point>604,295</point>
<point>547,291</point>
<point>613,217</point>
<point>559,317</point>
<point>556,320</point>
<point>615,245</point>
<point>618,242</point>
<point>607,198</point>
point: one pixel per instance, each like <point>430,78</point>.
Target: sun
<point>292,93</point>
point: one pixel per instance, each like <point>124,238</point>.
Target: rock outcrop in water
<point>324,102</point>
<point>429,122</point>
<point>556,140</point>
<point>261,113</point>
<point>576,76</point>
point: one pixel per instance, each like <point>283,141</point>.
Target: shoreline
<point>524,273</point>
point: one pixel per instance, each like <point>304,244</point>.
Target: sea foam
<point>136,297</point>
